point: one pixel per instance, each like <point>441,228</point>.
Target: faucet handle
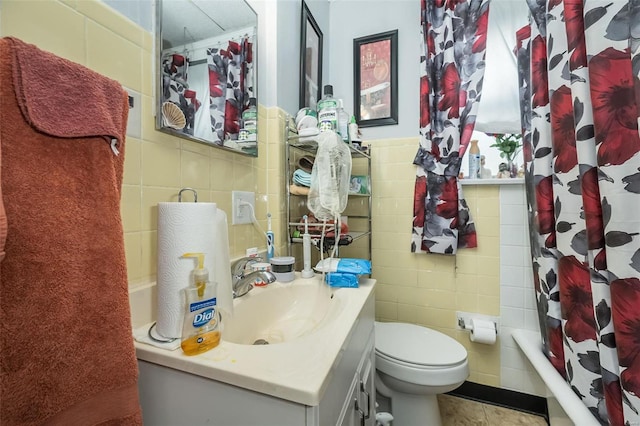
<point>240,265</point>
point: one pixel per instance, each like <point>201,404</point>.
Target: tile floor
<point>464,412</point>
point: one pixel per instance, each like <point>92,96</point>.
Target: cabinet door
<point>367,391</point>
<point>352,416</point>
<point>360,405</point>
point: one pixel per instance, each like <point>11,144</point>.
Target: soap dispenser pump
<point>201,325</point>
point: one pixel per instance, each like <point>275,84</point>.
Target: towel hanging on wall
<point>67,355</point>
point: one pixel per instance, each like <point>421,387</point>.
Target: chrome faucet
<point>242,284</point>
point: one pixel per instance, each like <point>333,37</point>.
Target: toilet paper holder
<point>468,326</point>
<point>464,320</point>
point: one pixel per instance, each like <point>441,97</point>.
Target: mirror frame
<point>159,89</point>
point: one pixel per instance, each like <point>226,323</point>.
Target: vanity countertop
<point>298,370</point>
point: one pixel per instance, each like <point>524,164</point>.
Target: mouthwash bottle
<point>328,110</point>
<point>201,325</point>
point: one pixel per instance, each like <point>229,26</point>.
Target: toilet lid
<point>417,345</point>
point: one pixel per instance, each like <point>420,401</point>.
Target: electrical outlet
<point>241,212</point>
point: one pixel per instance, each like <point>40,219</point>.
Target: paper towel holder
<point>156,337</point>
<point>195,194</point>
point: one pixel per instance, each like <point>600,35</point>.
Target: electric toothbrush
<point>270,247</point>
<point>307,272</point>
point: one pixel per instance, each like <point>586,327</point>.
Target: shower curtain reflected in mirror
<point>230,87</point>
<point>179,102</point>
<point>578,66</point>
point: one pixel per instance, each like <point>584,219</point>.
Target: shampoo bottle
<point>474,160</point>
<point>201,326</point>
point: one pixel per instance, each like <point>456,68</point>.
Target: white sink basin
<point>281,312</point>
<point>312,329</point>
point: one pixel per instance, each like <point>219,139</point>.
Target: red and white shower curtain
<point>175,87</point>
<point>579,64</point>
<point>230,87</point>
<point>454,36</point>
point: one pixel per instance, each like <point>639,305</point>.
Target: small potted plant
<point>509,145</point>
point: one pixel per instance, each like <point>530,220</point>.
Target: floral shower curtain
<point>175,88</point>
<point>230,87</point>
<point>579,65</point>
<point>454,35</point>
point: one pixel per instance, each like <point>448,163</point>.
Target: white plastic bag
<point>330,177</point>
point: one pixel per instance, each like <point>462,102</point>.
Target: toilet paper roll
<point>482,331</point>
<point>182,228</point>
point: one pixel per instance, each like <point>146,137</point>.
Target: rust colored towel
<point>66,351</point>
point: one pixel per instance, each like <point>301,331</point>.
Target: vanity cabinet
<point>359,408</point>
<point>355,404</point>
<point>357,244</point>
<point>176,396</point>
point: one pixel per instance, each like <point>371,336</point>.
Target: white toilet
<point>413,365</point>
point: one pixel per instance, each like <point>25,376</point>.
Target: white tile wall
<point>517,296</point>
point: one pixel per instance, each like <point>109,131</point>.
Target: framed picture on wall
<point>310,60</point>
<point>375,73</point>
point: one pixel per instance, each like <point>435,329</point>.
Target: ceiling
<point>187,21</point>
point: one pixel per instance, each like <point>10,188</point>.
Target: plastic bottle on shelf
<point>250,121</point>
<point>354,135</point>
<point>353,130</point>
<point>328,110</point>
<point>474,160</point>
<point>343,122</point>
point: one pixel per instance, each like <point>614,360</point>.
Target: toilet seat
<point>417,347</point>
<point>416,367</point>
<point>418,355</point>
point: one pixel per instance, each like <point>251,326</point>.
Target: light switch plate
<point>134,120</point>
<point>242,213</point>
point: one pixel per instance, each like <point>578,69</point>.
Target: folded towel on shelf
<point>298,190</point>
<point>61,128</point>
<point>306,163</point>
<point>302,178</point>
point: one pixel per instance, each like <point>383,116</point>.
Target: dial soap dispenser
<point>201,325</point>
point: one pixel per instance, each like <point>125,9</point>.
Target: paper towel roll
<point>222,272</point>
<point>182,228</point>
<point>482,331</point>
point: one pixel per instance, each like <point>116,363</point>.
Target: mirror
<point>206,61</point>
